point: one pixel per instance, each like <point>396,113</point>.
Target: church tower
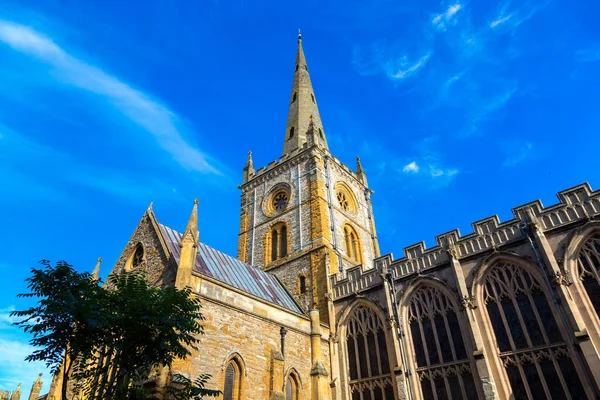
<point>306,215</point>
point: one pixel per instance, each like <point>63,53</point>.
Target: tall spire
<point>303,108</point>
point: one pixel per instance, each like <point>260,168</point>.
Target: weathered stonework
<point>158,265</point>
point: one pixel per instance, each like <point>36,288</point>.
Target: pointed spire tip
<point>299,34</point>
<point>196,201</point>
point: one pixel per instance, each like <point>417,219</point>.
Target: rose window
<point>280,201</point>
<point>343,200</point>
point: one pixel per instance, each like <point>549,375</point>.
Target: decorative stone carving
<point>334,337</point>
<point>468,302</point>
<point>452,252</point>
<point>562,277</point>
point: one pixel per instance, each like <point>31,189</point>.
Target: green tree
<point>64,320</point>
<point>110,340</point>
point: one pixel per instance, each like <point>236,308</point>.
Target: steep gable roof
<point>233,272</point>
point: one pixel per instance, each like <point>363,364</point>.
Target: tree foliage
<point>109,342</point>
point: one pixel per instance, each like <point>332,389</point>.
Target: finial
<point>96,271</point>
<point>299,34</point>
<point>249,153</point>
<point>150,206</point>
<point>196,201</point>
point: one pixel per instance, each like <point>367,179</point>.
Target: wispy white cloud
<point>405,68</point>
<point>508,21</point>
<point>500,20</point>
<point>6,321</point>
<point>395,63</point>
<point>443,20</point>
<point>14,369</point>
<point>150,114</point>
<point>411,168</point>
<point>591,54</point>
<point>117,183</point>
<point>519,154</point>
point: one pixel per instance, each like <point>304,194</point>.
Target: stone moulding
<point>578,203</point>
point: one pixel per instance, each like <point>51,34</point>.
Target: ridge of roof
<point>236,273</point>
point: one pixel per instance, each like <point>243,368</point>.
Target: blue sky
<point>459,110</point>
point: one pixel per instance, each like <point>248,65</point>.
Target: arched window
<point>277,237</point>
<point>292,387</point>
<point>588,270</point>
<point>537,358</point>
<point>294,97</point>
<point>321,133</point>
<point>352,244</point>
<point>368,363</point>
<point>442,364</point>
<point>136,258</point>
<point>291,132</point>
<point>302,284</point>
<point>313,98</point>
<point>232,381</point>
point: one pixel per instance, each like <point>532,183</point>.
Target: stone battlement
<point>575,204</point>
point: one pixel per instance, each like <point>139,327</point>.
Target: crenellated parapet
<point>576,204</point>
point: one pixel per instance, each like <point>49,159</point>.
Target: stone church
<point>310,309</point>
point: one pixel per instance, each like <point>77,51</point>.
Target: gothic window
<point>296,67</point>
<point>136,258</point>
<point>302,284</point>
<point>368,363</point>
<point>278,241</point>
<point>321,133</point>
<point>313,97</point>
<point>294,97</point>
<point>291,132</point>
<point>292,387</point>
<point>232,385</point>
<point>352,244</point>
<point>442,364</point>
<point>588,270</point>
<point>537,359</point>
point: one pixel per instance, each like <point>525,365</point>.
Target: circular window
<point>277,200</point>
<point>345,198</point>
<point>280,201</point>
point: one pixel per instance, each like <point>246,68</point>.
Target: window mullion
<point>538,319</point>
<point>538,367</point>
<point>379,364</point>
<point>450,335</point>
<point>510,339</point>
<point>419,321</point>
<point>564,385</point>
<point>368,360</point>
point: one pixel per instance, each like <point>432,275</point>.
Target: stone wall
<point>543,240</point>
<point>160,268</point>
<point>238,323</point>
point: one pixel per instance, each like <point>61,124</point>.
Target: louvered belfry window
<point>442,364</point>
<point>537,358</point>
<point>588,270</point>
<point>368,363</point>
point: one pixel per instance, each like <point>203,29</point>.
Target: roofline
<point>250,295</point>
